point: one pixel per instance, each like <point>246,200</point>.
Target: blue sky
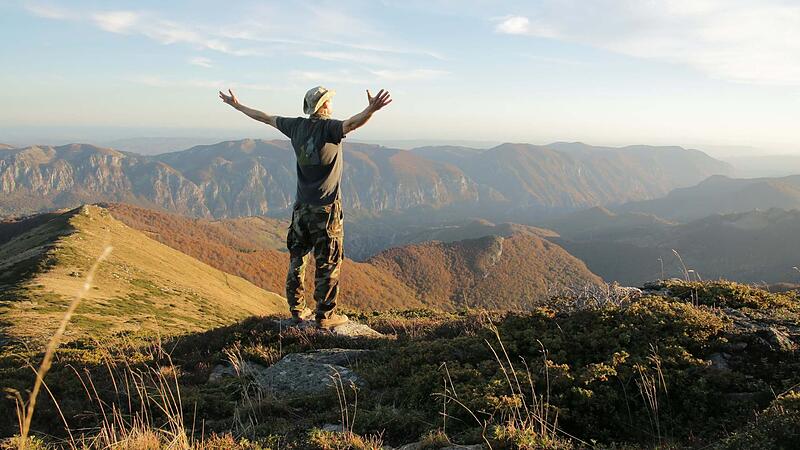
<point>685,72</point>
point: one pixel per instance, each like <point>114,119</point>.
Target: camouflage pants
<point>319,228</point>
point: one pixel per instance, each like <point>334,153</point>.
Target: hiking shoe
<point>300,316</point>
<point>332,321</point>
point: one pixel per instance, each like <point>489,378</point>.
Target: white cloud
<point>514,25</point>
<point>201,61</point>
<point>753,41</point>
<point>116,21</point>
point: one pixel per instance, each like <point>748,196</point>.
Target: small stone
<point>221,371</point>
<point>737,346</point>
<point>331,427</point>
<point>778,340</point>
<point>719,361</point>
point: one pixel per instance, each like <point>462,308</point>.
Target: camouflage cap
<point>315,97</point>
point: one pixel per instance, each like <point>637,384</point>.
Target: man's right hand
<point>229,99</point>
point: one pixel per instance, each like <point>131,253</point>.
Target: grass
<point>630,373</point>
<point>144,286</point>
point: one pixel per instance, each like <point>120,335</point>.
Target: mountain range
<point>564,176</point>
<point>256,177</point>
<point>722,195</point>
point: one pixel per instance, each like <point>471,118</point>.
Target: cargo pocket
<point>335,219</point>
<point>294,237</point>
<point>335,249</point>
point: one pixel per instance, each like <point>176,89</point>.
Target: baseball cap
<point>315,97</point>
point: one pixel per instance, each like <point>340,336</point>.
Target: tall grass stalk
<point>26,412</point>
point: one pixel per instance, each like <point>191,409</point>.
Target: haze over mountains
<point>722,195</point>
<point>254,177</point>
<point>759,246</point>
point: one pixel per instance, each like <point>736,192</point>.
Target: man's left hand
<point>379,101</point>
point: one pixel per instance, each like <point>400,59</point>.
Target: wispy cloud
<point>48,11</point>
<point>157,81</point>
<point>753,41</point>
<point>337,76</point>
<point>353,57</point>
<point>147,24</point>
<point>201,61</point>
<point>339,37</point>
<point>407,75</point>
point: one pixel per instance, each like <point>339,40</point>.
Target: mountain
<point>569,176</point>
<point>262,261</point>
<point>599,222</point>
<point>229,179</point>
<point>5,147</point>
<point>755,246</point>
<point>447,153</point>
<point>38,178</point>
<point>243,234</point>
<point>252,177</point>
<point>257,177</point>
<point>493,271</point>
<point>142,286</point>
<point>383,282</point>
<point>157,145</point>
<point>722,195</point>
<point>367,235</point>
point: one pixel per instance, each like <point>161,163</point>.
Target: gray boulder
<point>300,373</point>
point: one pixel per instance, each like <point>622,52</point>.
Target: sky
<point>683,72</point>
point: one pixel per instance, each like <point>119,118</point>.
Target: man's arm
<point>374,104</point>
<point>250,112</point>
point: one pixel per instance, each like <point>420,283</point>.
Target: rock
<point>221,371</point>
<point>719,361</point>
<point>736,346</point>
<point>418,445</point>
<point>310,373</point>
<point>331,428</point>
<point>350,329</point>
<point>777,339</point>
<point>356,330</point>
<point>742,397</point>
<point>626,291</point>
<point>656,288</point>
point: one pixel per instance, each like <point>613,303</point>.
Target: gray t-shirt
<point>318,146</point>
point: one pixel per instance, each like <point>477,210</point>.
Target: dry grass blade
<point>53,344</point>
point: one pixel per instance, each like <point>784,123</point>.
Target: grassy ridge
<point>144,286</point>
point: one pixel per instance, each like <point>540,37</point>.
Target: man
<point>317,218</point>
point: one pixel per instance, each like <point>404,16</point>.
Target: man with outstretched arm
<point>317,217</point>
